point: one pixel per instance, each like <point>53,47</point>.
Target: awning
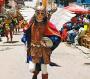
<point>77,9</point>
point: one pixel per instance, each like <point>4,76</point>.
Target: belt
<point>35,45</point>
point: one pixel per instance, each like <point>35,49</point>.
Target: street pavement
<point>74,64</point>
<point>74,61</point>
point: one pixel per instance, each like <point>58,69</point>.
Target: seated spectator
<point>69,25</point>
<point>80,35</point>
<point>71,36</point>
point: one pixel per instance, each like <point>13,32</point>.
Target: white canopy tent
<point>61,16</point>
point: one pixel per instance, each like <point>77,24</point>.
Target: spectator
<point>71,36</point>
<point>80,35</point>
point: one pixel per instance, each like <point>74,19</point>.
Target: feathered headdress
<point>43,2</point>
<point>48,5</point>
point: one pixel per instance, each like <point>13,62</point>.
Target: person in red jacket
<point>41,38</point>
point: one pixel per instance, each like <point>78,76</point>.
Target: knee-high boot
<point>44,76</point>
<point>35,74</point>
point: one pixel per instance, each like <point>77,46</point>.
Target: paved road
<point>74,64</point>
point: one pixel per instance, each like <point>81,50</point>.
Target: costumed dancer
<point>41,38</point>
<point>8,29</point>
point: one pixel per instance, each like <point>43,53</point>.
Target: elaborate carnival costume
<point>42,37</point>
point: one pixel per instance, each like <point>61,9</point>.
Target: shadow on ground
<point>11,42</point>
<point>4,49</point>
<point>87,63</point>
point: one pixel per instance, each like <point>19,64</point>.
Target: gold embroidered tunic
<point>39,52</point>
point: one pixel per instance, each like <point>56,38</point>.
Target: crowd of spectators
<point>73,31</point>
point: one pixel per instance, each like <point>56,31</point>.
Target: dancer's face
<point>40,15</point>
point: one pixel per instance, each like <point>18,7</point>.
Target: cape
<point>50,32</point>
<point>50,29</point>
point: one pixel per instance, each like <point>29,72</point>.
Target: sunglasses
<point>40,13</point>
